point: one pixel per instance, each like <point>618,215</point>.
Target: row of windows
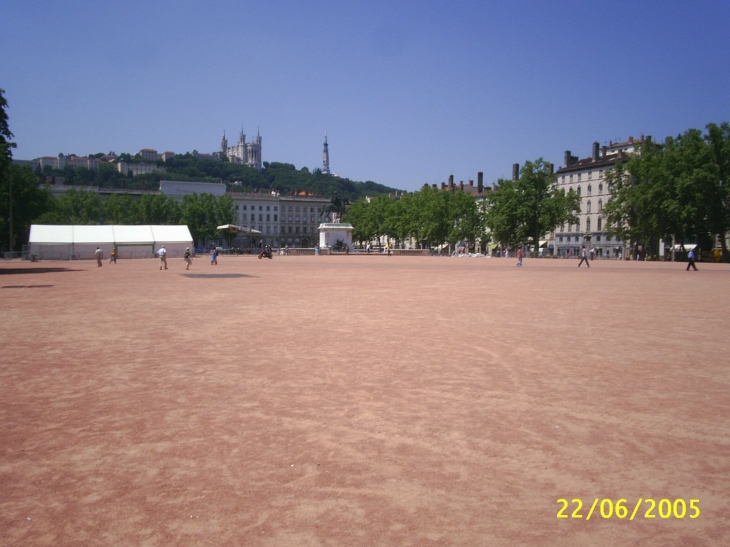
<point>599,227</point>
<point>244,207</point>
<point>283,219</point>
<point>284,230</point>
<point>590,189</point>
<point>579,176</point>
<point>596,238</point>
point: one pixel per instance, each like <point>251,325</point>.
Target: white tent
<point>80,242</point>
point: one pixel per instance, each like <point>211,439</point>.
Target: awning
<point>494,246</point>
<point>543,243</point>
<point>687,247</point>
<point>237,229</point>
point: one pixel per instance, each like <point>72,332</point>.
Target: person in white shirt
<point>162,253</point>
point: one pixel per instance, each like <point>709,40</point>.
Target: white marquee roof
<point>105,234</point>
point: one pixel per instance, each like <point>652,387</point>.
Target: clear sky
<point>409,92</point>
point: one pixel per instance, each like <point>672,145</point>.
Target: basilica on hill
<point>242,153</point>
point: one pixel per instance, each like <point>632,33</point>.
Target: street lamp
<point>10,199</point>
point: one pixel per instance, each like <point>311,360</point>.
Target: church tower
<point>326,156</point>
<point>224,146</point>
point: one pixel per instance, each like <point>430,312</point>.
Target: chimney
<point>604,151</point>
<point>567,158</point>
<point>551,168</point>
<point>451,181</point>
<point>631,140</point>
<point>461,185</point>
<point>480,182</point>
<point>515,171</point>
<point>471,182</point>
<point>595,151</point>
<point>434,185</point>
<point>443,185</point>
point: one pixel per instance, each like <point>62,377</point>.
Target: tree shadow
<point>26,286</point>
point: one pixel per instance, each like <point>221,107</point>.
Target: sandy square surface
<point>362,401</point>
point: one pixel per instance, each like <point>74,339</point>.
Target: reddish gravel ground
<point>362,401</point>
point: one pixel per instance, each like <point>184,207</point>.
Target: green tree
<point>530,207</point>
<point>74,206</point>
<point>30,200</point>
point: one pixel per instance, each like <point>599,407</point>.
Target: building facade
<point>587,177</point>
<point>242,153</point>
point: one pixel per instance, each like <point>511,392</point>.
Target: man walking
<point>519,257</point>
<point>691,258</point>
<point>162,253</point>
<point>100,256</point>
<point>583,257</point>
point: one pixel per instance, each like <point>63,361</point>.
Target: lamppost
<point>10,198</point>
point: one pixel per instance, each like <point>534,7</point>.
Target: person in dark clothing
<point>691,259</point>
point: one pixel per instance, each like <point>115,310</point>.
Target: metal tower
<point>325,157</point>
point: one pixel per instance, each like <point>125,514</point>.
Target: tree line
<point>202,213</point>
<point>277,176</point>
<point>514,212</point>
<point>678,191</point>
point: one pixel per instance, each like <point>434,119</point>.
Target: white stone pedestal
<point>330,232</point>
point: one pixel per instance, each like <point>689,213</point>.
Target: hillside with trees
<point>281,177</point>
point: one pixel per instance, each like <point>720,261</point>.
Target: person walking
<point>99,256</point>
<point>188,259</point>
<point>519,257</point>
<point>213,256</point>
<point>691,260</point>
<point>162,253</point>
<point>583,257</point>
<point>113,256</point>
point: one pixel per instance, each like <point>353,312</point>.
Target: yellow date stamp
<point>608,508</point>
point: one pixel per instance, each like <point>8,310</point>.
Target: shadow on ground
<point>13,271</point>
<point>211,276</point>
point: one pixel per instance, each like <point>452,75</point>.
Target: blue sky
<point>408,92</point>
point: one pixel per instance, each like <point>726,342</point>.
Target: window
<point>261,229</point>
<point>600,187</point>
<point>261,217</point>
<point>276,208</point>
<point>289,218</point>
<point>268,207</point>
<point>579,176</point>
<point>253,216</point>
<point>261,207</point>
<point>570,227</point>
<point>571,178</point>
<point>311,218</point>
<point>576,238</point>
<point>560,239</point>
<point>590,189</point>
<point>289,229</point>
<point>296,230</point>
<point>590,175</point>
<point>599,224</point>
<point>311,209</point>
<point>598,238</point>
<point>276,218</point>
<point>588,206</point>
<point>578,190</point>
<point>304,230</point>
<point>600,206</point>
<point>588,224</point>
<point>297,218</point>
<point>268,229</point>
<point>244,207</point>
<point>296,209</point>
<point>268,218</point>
<point>290,208</point>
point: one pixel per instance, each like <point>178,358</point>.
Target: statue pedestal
<point>331,232</point>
